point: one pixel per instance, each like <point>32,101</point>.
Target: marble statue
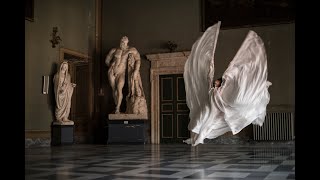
<point>119,60</point>
<point>63,90</point>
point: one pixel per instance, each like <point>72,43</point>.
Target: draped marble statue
<point>63,90</point>
<point>239,100</point>
<point>121,61</point>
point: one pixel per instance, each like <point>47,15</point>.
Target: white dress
<point>239,101</point>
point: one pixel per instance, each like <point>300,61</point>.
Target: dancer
<point>242,96</point>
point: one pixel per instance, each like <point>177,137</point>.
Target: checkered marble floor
<point>168,161</point>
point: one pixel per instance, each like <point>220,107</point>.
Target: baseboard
<point>37,134</point>
<point>37,138</point>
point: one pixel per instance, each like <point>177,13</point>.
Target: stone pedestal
<point>127,128</point>
<point>128,116</point>
<point>62,134</point>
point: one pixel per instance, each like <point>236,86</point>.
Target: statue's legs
<point>112,79</point>
<point>120,84</point>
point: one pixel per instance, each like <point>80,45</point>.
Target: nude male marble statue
<point>119,60</point>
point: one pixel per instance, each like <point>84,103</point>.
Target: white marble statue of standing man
<point>63,90</point>
<point>117,60</point>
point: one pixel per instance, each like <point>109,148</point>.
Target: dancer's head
<point>217,83</point>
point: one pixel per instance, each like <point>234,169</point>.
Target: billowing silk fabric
<point>239,101</point>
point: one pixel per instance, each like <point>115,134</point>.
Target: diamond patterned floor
<point>169,161</point>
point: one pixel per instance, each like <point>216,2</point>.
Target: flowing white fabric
<point>239,101</point>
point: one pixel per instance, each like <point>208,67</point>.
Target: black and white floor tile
<point>168,161</point>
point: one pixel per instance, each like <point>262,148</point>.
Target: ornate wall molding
<point>162,64</point>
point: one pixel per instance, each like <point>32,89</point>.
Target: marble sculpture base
<point>62,134</point>
<point>128,116</point>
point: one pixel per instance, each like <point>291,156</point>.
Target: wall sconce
<point>55,39</point>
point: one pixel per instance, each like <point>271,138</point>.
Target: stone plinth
<point>128,116</point>
<point>127,128</point>
<point>63,123</point>
<point>62,134</point>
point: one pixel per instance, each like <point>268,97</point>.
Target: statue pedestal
<point>128,117</point>
<point>62,134</point>
<point>127,128</point>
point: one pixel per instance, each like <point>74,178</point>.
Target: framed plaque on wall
<point>246,13</point>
